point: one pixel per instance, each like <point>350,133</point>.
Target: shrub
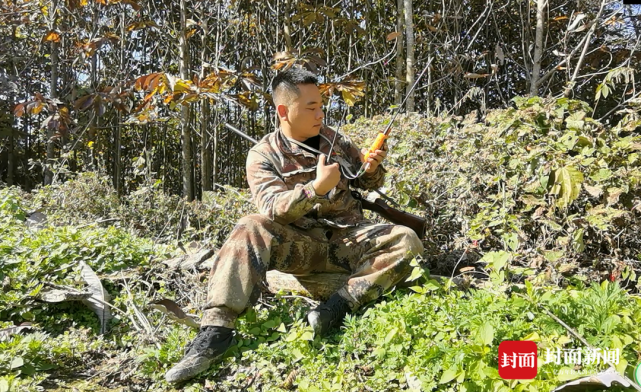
<point>542,182</point>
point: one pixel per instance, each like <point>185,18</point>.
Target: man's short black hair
<point>284,89</point>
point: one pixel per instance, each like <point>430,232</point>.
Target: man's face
<point>305,114</point>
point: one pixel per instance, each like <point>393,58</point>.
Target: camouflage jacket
<point>280,175</point>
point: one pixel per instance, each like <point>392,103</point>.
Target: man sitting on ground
<point>308,223</point>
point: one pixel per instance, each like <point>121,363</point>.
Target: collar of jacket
<point>287,147</point>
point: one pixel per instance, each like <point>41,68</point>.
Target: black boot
<point>209,345</point>
<point>328,315</point>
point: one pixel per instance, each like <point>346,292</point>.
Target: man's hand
<point>327,176</point>
<point>374,158</point>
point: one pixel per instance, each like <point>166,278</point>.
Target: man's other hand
<point>327,176</point>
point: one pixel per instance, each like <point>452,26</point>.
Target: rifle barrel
<point>242,134</point>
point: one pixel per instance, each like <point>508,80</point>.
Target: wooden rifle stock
<point>414,222</point>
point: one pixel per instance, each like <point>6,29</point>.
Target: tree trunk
<point>188,179</point>
<point>538,47</point>
<point>11,159</point>
<point>400,59</point>
<point>428,100</point>
<point>6,121</point>
<point>117,169</point>
<point>205,150</point>
<point>409,31</point>
<point>93,126</point>
<point>28,145</point>
<point>286,27</point>
<point>525,36</point>
<point>53,83</point>
<point>214,158</point>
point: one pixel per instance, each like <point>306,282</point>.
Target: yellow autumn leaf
<point>567,185</point>
<point>349,98</point>
<point>151,94</point>
<point>190,33</point>
<point>51,36</point>
<point>393,35</point>
<point>37,108</point>
<point>133,26</point>
<point>182,86</point>
<point>90,144</point>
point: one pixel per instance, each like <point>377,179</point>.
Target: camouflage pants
<point>376,255</point>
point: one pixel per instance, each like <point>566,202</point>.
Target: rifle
<point>398,217</point>
<point>414,222</point>
<point>380,138</point>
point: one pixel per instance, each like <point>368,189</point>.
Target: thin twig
<point>310,301</point>
<point>586,45</point>
<point>98,221</point>
<point>570,329</point>
<point>141,317</point>
<point>582,339</point>
<point>371,63</point>
<point>59,287</point>
<point>459,261</point>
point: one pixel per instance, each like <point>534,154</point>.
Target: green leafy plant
<point>541,180</point>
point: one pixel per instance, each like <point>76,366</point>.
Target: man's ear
<point>283,113</point>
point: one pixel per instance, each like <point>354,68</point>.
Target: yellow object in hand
<point>377,145</point>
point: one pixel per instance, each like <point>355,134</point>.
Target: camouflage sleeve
<point>368,181</point>
<point>371,181</point>
<point>271,195</point>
